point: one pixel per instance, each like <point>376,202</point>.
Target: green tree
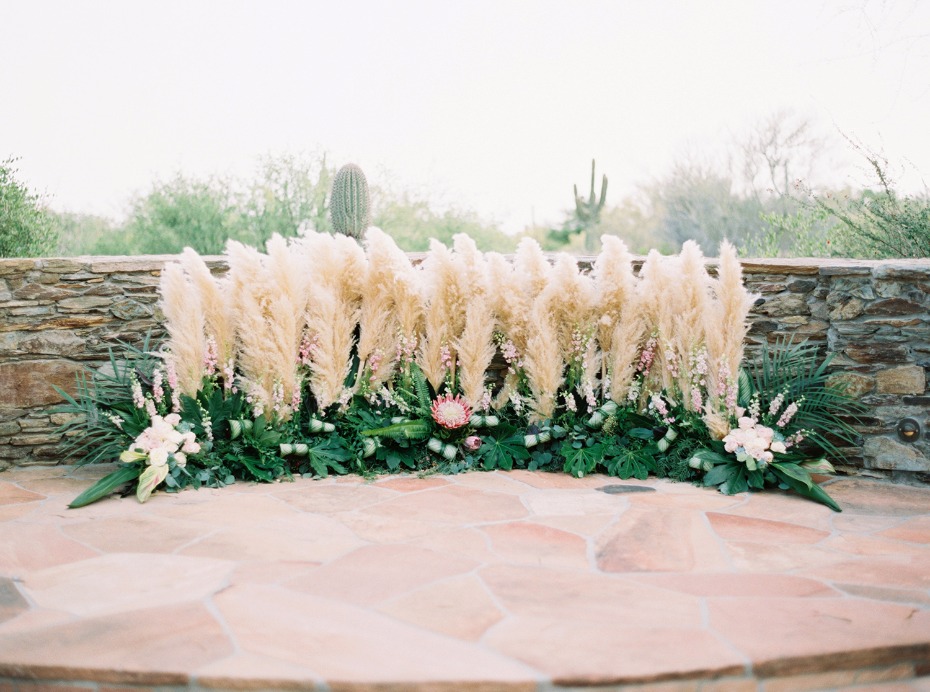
<point>88,234</point>
<point>290,192</point>
<point>186,212</point>
<point>286,194</point>
<point>412,222</point>
<point>27,227</point>
<point>879,223</point>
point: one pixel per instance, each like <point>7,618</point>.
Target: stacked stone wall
<point>58,316</point>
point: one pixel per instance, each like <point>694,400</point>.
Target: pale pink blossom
<point>210,357</point>
<point>158,456</point>
<point>158,393</point>
<point>138,398</point>
<point>788,414</point>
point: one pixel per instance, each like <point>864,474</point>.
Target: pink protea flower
<point>451,413</point>
<point>472,443</point>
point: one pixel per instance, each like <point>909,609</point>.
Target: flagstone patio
<point>483,581</point>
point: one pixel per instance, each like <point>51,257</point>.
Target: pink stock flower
<point>451,412</point>
<point>647,356</point>
<point>446,354</point>
<point>210,357</point>
<point>138,399</point>
<point>787,415</point>
<point>158,392</point>
<point>309,346</point>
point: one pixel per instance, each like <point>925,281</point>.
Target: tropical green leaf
<point>106,485</point>
<point>796,472</point>
<point>581,461</point>
<point>149,479</point>
<point>631,463</point>
<point>812,491</point>
<point>719,474</point>
<point>501,450</point>
<point>406,430</point>
<point>327,455</point>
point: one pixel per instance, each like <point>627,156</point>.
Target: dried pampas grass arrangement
<point>184,319</point>
<point>567,335</point>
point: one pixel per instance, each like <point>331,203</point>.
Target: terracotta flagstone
<point>486,581</point>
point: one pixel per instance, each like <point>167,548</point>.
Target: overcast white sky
<point>497,105</point>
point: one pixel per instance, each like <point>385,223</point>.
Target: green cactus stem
<point>350,203</point>
<point>589,212</point>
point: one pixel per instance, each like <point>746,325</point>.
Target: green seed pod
<point>369,446</point>
<point>596,421</point>
<point>667,440</point>
<point>479,421</point>
<point>538,438</point>
<point>319,426</point>
<point>597,418</point>
<point>237,427</point>
<point>349,203</point>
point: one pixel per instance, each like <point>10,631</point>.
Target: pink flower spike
<point>451,413</point>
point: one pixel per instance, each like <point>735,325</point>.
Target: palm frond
<point>797,371</point>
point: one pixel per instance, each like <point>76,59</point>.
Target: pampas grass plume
<point>184,320</point>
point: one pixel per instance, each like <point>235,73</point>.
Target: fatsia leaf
<point>630,463</point>
<point>501,452</point>
<point>328,455</point>
<point>580,462</point>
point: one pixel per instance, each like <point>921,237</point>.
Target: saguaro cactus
<point>350,203</point>
<point>588,212</point>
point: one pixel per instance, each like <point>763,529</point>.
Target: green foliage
<point>213,408</point>
<point>350,202</point>
<point>796,372</point>
<point>123,476</point>
<point>405,430</point>
<point>393,430</point>
<point>413,221</point>
<point>87,234</point>
<point>880,223</point>
<point>629,462</point>
<point>502,448</point>
<point>255,455</point>
<point>327,454</point>
<point>27,227</point>
<point>185,212</point>
<point>287,193</point>
<point>104,417</point>
<point>806,232</point>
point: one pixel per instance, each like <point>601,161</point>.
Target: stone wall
<point>59,315</point>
